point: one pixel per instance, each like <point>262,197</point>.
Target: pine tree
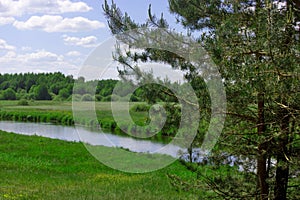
<point>255,44</point>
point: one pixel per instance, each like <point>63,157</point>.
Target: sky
<point>58,35</point>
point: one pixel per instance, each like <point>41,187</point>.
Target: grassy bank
<point>58,112</point>
<point>61,113</point>
<point>33,167</point>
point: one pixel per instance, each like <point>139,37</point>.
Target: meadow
<point>33,167</point>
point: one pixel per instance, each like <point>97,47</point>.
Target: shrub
<point>87,97</point>
<point>75,97</point>
<point>98,97</point>
<point>23,102</point>
<point>57,98</point>
<point>107,98</point>
<point>141,107</point>
<point>9,94</point>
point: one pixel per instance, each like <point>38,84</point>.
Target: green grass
<point>56,112</point>
<point>33,167</point>
<point>62,113</point>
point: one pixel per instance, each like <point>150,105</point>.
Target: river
<point>92,137</point>
<point>69,133</point>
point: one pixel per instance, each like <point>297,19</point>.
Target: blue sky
<point>58,35</point>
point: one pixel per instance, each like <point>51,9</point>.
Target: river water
<point>69,133</point>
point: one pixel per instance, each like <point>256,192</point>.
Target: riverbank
<point>33,167</point>
<point>61,113</point>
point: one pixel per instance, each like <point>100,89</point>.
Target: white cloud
<point>6,20</point>
<point>38,61</point>
<point>73,53</point>
<point>10,54</point>
<point>41,56</point>
<point>56,23</point>
<point>21,7</point>
<point>68,6</point>
<point>90,41</point>
<point>5,46</point>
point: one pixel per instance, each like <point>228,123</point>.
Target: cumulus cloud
<point>41,56</point>
<point>5,46</point>
<point>56,23</point>
<point>87,42</point>
<point>38,61</point>
<point>73,53</point>
<point>6,20</point>
<point>21,7</point>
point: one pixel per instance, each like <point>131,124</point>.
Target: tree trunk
<point>262,176</point>
<point>282,170</point>
<point>282,176</point>
<point>262,157</point>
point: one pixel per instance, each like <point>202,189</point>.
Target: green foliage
<point>23,102</point>
<point>41,93</point>
<point>87,97</point>
<point>9,94</point>
<point>64,93</point>
<point>255,45</point>
<point>140,107</point>
<point>105,87</point>
<point>75,97</point>
<point>56,86</point>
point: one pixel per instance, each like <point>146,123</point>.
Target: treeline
<point>59,87</point>
<point>53,86</point>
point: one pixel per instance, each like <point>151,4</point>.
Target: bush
<point>98,97</point>
<point>41,93</point>
<point>106,99</point>
<point>9,94</point>
<point>87,97</point>
<point>23,102</point>
<point>64,93</point>
<point>142,107</point>
<point>57,98</point>
<point>134,98</point>
<point>75,97</point>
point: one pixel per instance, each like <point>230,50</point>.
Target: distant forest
<point>54,86</point>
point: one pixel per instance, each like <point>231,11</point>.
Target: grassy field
<point>33,167</point>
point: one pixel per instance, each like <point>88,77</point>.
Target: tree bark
<point>262,157</point>
<point>281,182</point>
<point>282,170</point>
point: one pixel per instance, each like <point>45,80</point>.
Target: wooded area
<point>53,86</point>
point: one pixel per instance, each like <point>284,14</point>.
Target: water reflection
<point>67,133</point>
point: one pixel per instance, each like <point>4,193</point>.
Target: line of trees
<point>43,86</point>
<point>53,86</point>
<point>59,87</point>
